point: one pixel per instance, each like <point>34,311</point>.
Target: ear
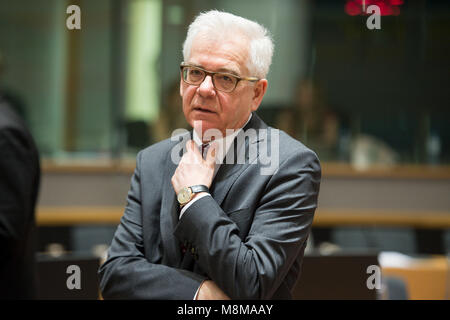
<point>258,93</point>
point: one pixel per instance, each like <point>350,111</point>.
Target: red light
<point>396,2</point>
<point>352,8</point>
<point>387,7</point>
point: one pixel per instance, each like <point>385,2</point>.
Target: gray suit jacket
<point>249,237</point>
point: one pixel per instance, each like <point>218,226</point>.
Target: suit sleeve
<point>16,186</point>
<point>255,268</point>
<point>128,274</point>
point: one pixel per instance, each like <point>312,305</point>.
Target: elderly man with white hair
<point>203,219</point>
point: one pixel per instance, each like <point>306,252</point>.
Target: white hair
<point>218,25</point>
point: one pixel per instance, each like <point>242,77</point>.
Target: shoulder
<point>284,147</point>
<point>290,146</point>
<point>8,118</point>
<point>12,130</point>
<point>292,153</point>
<point>17,148</point>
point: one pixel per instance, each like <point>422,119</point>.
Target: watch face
<point>184,195</point>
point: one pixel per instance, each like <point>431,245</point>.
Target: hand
<point>210,291</point>
<point>193,169</point>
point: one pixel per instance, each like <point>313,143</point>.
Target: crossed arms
<point>249,268</point>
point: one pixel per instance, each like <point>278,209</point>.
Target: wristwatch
<point>186,194</point>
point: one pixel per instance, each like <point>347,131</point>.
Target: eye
<point>195,72</point>
<point>225,78</point>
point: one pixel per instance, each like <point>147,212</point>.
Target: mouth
<point>200,109</point>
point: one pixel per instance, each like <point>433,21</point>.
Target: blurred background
<point>373,104</point>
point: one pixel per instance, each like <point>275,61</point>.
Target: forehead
<point>227,54</point>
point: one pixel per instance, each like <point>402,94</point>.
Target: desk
<point>325,217</point>
<point>72,215</point>
<point>426,279</point>
<point>429,226</point>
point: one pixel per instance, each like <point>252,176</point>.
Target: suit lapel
<point>228,173</point>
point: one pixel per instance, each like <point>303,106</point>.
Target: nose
<point>206,88</point>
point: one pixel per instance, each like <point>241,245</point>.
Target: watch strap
<point>199,188</point>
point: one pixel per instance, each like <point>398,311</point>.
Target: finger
<point>192,154</point>
<point>195,149</point>
<point>211,154</point>
<point>190,145</point>
<point>189,148</point>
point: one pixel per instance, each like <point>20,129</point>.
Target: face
<point>212,108</point>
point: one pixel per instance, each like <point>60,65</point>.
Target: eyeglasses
<point>224,82</point>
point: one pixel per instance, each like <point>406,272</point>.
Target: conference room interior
<point>373,103</point>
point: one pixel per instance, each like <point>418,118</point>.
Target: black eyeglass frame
<point>211,73</point>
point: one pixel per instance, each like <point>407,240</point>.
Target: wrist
<point>198,194</point>
<point>186,194</point>
<point>195,196</point>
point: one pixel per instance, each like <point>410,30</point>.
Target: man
<point>19,184</point>
<point>238,232</point>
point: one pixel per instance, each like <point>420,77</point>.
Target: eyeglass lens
<point>221,81</point>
